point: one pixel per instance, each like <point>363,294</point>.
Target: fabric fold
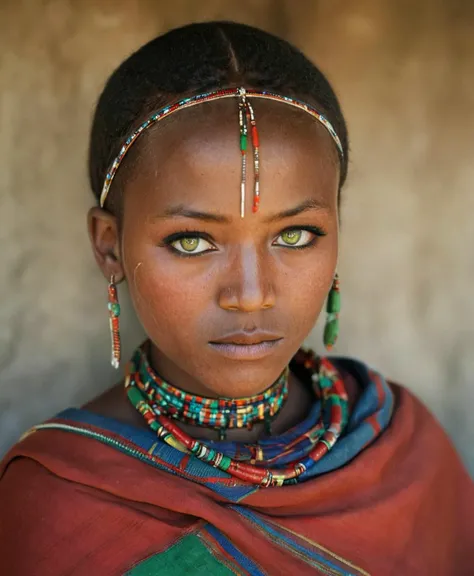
<point>84,494</point>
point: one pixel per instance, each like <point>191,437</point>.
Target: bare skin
<point>199,274</point>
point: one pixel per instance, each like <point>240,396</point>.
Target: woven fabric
<point>86,495</point>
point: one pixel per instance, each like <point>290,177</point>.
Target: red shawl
<point>404,506</point>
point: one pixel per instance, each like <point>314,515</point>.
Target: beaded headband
<point>246,118</point>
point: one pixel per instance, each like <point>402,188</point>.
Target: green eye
<point>297,238</point>
<point>291,237</point>
<point>189,244</point>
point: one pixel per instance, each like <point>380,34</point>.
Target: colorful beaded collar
<point>246,123</point>
<point>307,450</point>
<point>220,414</point>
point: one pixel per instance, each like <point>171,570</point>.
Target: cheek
<point>305,292</point>
<point>308,279</point>
<point>164,298</point>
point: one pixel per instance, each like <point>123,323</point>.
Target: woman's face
<point>227,301</point>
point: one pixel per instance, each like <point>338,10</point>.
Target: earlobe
<point>105,240</point>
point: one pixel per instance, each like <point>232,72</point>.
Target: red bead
<point>255,140</point>
<point>318,451</point>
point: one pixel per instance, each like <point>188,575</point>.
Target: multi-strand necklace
<point>220,414</point>
<point>161,405</point>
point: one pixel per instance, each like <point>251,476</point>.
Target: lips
<point>247,338</point>
<point>246,345</point>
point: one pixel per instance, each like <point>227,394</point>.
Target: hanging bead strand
<point>114,313</point>
<point>333,308</point>
<point>256,158</point>
<point>243,148</point>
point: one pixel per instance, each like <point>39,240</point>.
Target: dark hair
<point>194,59</point>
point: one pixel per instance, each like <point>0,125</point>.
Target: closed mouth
<point>246,348</point>
<point>246,339</point>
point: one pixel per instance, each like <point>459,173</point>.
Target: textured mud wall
<point>404,72</point>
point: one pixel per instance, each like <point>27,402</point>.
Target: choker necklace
<point>221,414</point>
<point>313,445</point>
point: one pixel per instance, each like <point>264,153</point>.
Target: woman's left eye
<point>295,238</point>
<point>191,245</point>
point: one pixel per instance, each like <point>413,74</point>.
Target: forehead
<point>198,149</point>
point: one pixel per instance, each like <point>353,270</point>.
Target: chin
<point>239,379</point>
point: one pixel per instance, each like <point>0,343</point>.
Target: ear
<point>105,240</point>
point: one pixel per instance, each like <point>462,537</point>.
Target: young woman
<point>217,157</point>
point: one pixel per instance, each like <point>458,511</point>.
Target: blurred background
<point>404,72</point>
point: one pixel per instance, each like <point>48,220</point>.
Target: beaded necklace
<point>329,389</point>
<point>220,414</point>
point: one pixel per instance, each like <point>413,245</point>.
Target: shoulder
<point>427,442</point>
<point>410,422</point>
<point>54,521</point>
<point>32,503</point>
<point>413,458</point>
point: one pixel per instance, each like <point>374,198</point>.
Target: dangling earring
<point>333,307</point>
<point>114,313</point>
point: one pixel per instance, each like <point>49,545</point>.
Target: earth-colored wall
<point>404,72</point>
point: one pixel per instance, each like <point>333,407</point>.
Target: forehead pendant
<point>247,127</point>
<point>246,119</point>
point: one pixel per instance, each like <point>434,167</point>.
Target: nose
<point>247,285</point>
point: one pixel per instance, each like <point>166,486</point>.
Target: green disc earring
<point>333,307</point>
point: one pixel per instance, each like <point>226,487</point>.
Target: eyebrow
<point>305,206</point>
<point>181,210</point>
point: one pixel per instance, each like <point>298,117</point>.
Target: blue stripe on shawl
<point>227,545</point>
<point>280,537</point>
<point>146,439</point>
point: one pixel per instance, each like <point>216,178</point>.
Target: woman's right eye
<point>191,245</point>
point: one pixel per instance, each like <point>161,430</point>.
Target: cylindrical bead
<point>255,139</point>
<point>331,332</point>
<point>333,305</point>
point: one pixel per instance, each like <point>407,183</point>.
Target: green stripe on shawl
<point>188,556</point>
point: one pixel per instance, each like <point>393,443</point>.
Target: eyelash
<point>172,238</point>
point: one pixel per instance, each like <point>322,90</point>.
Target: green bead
<point>225,463</point>
<point>114,307</point>
<point>243,142</point>
<point>325,382</point>
<point>333,305</point>
<point>134,395</point>
<point>210,455</point>
<point>345,413</point>
<point>331,332</point>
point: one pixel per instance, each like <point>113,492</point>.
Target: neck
<point>190,379</point>
<point>114,404</point>
<point>296,408</point>
<point>156,398</point>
